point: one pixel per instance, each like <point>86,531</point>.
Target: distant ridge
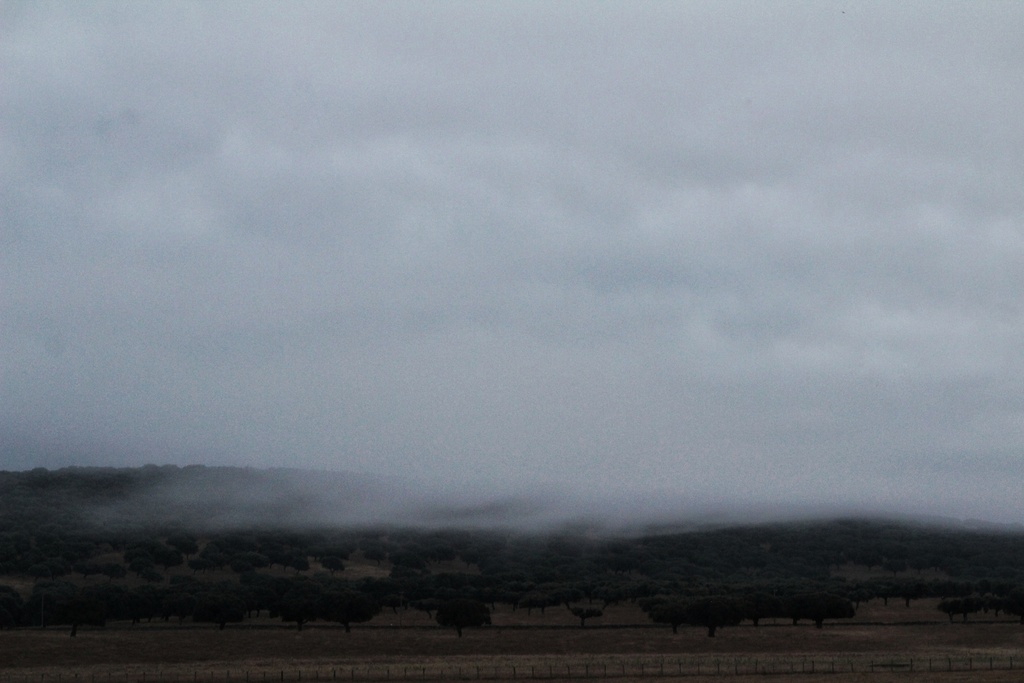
<point>216,497</point>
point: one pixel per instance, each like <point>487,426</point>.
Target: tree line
<point>88,568</point>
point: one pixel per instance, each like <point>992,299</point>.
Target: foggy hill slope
<point>208,497</point>
<point>199,496</point>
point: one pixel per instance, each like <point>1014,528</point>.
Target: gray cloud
<point>735,253</point>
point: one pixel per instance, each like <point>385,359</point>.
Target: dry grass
<point>408,645</point>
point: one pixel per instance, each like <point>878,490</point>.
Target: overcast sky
<point>728,253</point>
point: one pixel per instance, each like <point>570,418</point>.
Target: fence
<point>596,668</point>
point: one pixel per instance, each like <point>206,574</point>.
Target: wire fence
<point>609,667</point>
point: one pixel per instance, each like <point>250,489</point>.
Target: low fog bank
<point>205,497</point>
<point>239,497</point>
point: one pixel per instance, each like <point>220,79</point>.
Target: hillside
<point>225,544</point>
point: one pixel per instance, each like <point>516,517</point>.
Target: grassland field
<point>882,643</point>
<point>878,644</point>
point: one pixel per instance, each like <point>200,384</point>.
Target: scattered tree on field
<point>218,608</point>
<point>818,607</point>
<point>1014,604</point>
<point>584,613</point>
<point>757,606</point>
<point>463,613</point>
<point>671,612</point>
<point>332,563</point>
<point>79,610</point>
<point>348,607</point>
<point>301,603</point>
<point>714,612</point>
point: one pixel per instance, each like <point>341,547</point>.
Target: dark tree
<point>302,603</point>
<point>260,592</point>
<point>11,605</point>
<point>463,613</point>
<point>393,600</point>
<point>87,569</point>
<point>178,605</point>
<point>536,600</point>
<point>168,557</point>
<point>78,611</point>
<point>428,605</point>
<point>895,565</point>
<point>374,553</point>
<point>200,564</point>
<point>584,613</point>
<point>1014,604</point>
<point>912,590</point>
<point>409,560</point>
<point>671,612</point>
<point>298,562</point>
<point>818,607</point>
<point>961,606</point>
<point>951,607</point>
<point>40,571</point>
<point>348,607</point>
<point>143,602</point>
<point>567,595</point>
<point>141,564</point>
<point>759,606</point>
<point>240,566</point>
<point>714,612</point>
<point>218,608</point>
<point>183,543</point>
<point>111,595</point>
<point>152,575</point>
<point>113,571</point>
<point>332,563</point>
